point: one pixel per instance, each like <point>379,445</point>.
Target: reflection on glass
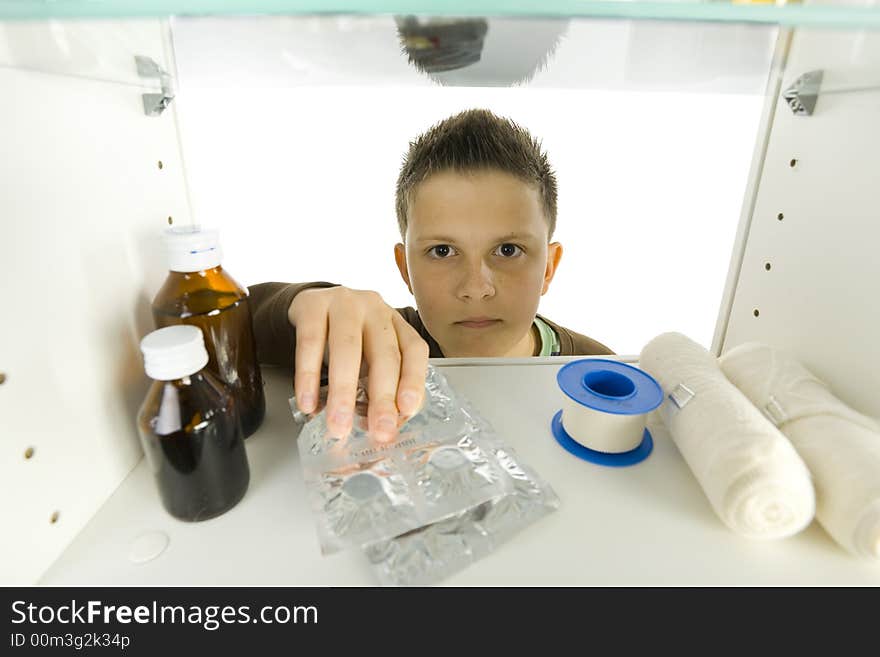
<point>99,50</point>
<point>487,52</point>
<point>492,52</point>
<point>439,44</point>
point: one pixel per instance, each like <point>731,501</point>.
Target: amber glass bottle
<point>190,428</point>
<point>200,293</point>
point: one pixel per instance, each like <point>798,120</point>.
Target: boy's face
<point>476,247</point>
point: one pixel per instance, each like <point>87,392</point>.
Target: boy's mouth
<point>478,322</point>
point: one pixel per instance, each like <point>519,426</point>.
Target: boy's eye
<point>440,251</point>
<point>509,250</point>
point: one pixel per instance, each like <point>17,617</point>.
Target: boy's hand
<point>345,326</point>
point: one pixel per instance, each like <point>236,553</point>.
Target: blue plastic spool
<point>607,386</point>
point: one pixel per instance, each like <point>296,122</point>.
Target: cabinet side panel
<point>810,277</point>
<point>82,201</point>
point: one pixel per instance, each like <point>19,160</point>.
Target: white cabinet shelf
<point>649,524</point>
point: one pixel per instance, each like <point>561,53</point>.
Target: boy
<point>476,208</point>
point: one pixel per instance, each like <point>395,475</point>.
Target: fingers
<point>311,335</point>
<point>413,368</point>
<point>382,353</point>
<point>345,337</point>
<point>351,330</point>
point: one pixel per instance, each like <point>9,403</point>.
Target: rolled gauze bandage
<point>750,472</point>
<point>840,446</point>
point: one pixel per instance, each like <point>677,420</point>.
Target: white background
<point>293,132</point>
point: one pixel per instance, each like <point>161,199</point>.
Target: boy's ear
<point>400,259</point>
<point>554,255</point>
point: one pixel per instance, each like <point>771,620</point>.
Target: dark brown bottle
<point>190,428</point>
<point>198,292</point>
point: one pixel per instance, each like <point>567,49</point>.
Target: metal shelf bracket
<point>155,104</point>
<point>802,95</point>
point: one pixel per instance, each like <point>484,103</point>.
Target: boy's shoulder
<point>572,343</point>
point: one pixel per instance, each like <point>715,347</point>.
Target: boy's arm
<point>274,335</point>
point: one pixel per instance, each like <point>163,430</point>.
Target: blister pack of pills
<point>429,554</point>
<point>362,490</point>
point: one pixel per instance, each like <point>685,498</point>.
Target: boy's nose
<point>478,282</point>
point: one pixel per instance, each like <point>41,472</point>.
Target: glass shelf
<point>830,13</point>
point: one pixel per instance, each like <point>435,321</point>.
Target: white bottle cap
<point>191,248</point>
<point>174,352</point>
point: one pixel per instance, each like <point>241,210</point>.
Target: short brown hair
<point>476,140</point>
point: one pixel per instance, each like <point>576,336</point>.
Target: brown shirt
<point>276,338</point>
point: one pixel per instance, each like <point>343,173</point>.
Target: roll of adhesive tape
<point>605,409</point>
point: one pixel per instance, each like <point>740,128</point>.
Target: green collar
<point>549,340</point>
